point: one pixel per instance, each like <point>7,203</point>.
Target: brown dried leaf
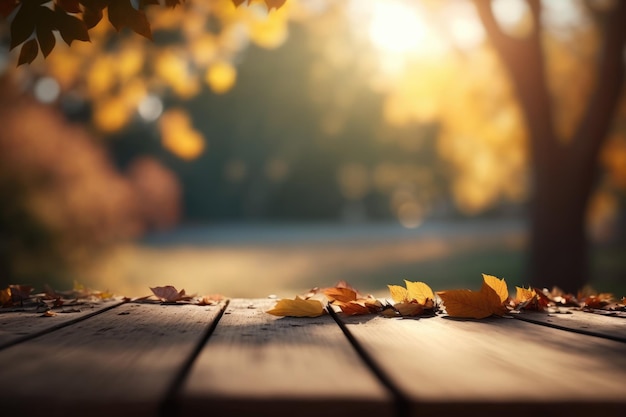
<point>170,294</point>
<point>409,309</point>
<point>5,296</point>
<point>20,293</point>
<point>210,300</point>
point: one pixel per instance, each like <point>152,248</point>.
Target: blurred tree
<point>565,169</point>
<point>479,116</point>
<point>60,197</point>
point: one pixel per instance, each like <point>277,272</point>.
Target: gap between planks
<point>446,366</point>
<point>590,324</point>
<point>116,363</point>
<point>258,364</point>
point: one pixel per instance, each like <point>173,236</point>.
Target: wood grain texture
<point>613,328</point>
<point>261,365</point>
<point>449,367</point>
<point>121,362</point>
<point>22,325</point>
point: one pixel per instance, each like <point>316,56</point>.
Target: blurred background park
<point>248,152</point>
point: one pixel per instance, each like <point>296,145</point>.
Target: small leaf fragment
<point>5,296</point>
<point>297,307</point>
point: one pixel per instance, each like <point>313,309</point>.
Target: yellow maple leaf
<point>298,307</point>
<point>419,292</point>
<point>398,294</point>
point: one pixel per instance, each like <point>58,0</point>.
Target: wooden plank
<point>612,328</point>
<point>122,362</point>
<point>446,367</point>
<point>17,326</point>
<point>261,365</point>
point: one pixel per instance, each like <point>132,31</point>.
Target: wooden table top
<point>131,359</point>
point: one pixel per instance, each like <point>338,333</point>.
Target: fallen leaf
<point>5,296</point>
<point>466,304</point>
<point>409,309</point>
<point>170,294</point>
<point>354,308</point>
<point>477,305</point>
<point>412,300</point>
<point>20,293</point>
<point>398,294</point>
<point>495,287</point>
<point>343,295</point>
<point>49,313</point>
<point>298,307</point>
<point>360,306</point>
<point>419,292</point>
<point>210,300</point>
<point>524,295</point>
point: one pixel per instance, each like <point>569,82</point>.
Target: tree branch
<point>524,60</point>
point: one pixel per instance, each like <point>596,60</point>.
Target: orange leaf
<point>523,295</point>
<point>419,292</point>
<point>5,296</point>
<point>297,308</point>
<point>398,294</point>
<point>497,285</point>
<point>360,306</point>
<point>343,295</point>
<point>468,304</point>
<point>409,309</point>
<point>354,308</point>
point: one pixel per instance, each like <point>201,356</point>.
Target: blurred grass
<point>263,266</point>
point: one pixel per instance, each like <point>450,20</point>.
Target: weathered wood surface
<point>613,328</point>
<point>120,362</point>
<point>184,360</point>
<point>446,367</point>
<point>22,325</point>
<point>258,364</point>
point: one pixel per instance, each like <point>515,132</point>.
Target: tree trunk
<point>563,175</point>
<point>558,246</point>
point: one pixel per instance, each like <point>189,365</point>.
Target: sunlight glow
<point>396,27</point>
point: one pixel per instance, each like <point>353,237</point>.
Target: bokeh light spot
<point>47,90</point>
